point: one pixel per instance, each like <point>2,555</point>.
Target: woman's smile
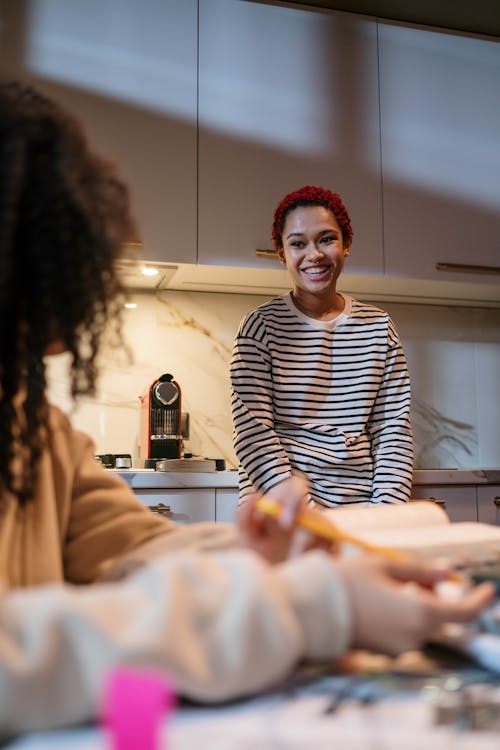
<point>317,271</point>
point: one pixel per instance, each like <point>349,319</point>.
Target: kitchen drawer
<point>488,504</point>
<point>187,506</point>
<point>459,502</point>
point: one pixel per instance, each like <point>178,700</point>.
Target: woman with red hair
<point>319,380</point>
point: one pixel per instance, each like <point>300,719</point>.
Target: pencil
<point>326,529</point>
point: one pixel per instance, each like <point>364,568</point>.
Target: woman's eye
<point>329,238</point>
<point>296,243</point>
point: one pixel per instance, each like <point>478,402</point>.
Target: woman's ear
<point>281,255</point>
<point>347,250</point>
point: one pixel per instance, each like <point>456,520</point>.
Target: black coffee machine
<point>161,421</point>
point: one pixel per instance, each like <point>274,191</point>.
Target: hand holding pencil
<point>297,526</point>
<point>275,534</point>
<point>386,614</point>
<point>284,524</point>
<point>324,528</point>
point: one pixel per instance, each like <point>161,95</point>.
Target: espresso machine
<point>161,421</point>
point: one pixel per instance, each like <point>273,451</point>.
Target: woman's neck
<point>317,307</point>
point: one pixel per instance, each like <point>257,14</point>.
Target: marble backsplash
<point>453,355</point>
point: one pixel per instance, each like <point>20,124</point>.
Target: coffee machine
<point>161,421</point>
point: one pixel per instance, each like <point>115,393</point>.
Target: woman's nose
<point>314,251</point>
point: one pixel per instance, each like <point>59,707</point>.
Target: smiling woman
<point>319,380</point>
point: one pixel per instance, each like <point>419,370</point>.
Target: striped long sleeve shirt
<point>328,398</point>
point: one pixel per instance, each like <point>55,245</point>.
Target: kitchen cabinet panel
<point>287,97</point>
<point>458,502</point>
<point>440,125</point>
<point>226,504</point>
<point>187,506</point>
<point>488,504</point>
<point>128,71</point>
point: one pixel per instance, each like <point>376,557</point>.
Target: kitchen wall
<point>453,355</point>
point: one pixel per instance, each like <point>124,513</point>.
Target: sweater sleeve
<point>262,459</point>
<point>221,626</point>
<point>106,521</point>
<point>390,430</point>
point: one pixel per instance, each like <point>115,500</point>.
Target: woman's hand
<point>277,539</point>
<point>391,617</point>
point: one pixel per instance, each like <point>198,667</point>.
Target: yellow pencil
<point>324,528</point>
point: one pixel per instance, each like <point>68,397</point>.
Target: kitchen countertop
<point>456,476</point>
<point>151,479</point>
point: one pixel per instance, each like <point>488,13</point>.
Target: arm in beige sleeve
<point>204,536</point>
<point>221,626</point>
<point>106,520</point>
<point>111,532</point>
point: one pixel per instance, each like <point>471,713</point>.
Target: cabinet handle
<point>467,268</point>
<point>266,253</point>
<point>161,509</point>
<point>496,501</point>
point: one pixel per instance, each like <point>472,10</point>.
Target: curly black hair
<point>64,219</point>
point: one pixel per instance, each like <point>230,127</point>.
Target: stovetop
<point>123,462</point>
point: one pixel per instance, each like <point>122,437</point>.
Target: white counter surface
<point>456,476</point>
<point>149,478</point>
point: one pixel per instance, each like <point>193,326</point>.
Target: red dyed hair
<point>311,196</point>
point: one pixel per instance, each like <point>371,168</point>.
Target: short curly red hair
<point>309,195</point>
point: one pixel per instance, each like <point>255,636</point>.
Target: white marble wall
<point>453,355</point>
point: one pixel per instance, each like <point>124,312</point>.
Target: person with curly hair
<point>319,380</point>
<point>64,220</point>
<point>218,619</point>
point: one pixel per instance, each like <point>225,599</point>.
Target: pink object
<point>136,704</point>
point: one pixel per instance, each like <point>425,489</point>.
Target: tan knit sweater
<point>80,520</point>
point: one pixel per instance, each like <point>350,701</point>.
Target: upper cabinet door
<point>287,97</point>
<point>440,127</point>
<point>128,71</point>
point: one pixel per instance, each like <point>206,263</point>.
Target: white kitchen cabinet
<point>190,496</point>
<point>128,70</point>
<point>287,96</point>
<point>458,502</point>
<point>186,505</point>
<point>226,503</point>
<point>440,126</point>
<point>194,504</point>
<point>488,504</point>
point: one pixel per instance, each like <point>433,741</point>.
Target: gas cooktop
<point>115,460</point>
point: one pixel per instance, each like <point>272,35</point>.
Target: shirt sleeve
<point>258,448</point>
<point>220,626</point>
<point>390,429</point>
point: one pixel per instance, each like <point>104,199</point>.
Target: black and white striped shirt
<point>328,398</point>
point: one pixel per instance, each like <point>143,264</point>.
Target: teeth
<point>315,270</point>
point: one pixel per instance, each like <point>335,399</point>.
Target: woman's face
<point>313,249</point>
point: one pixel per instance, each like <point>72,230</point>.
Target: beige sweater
<point>221,624</point>
<point>79,521</point>
<point>84,523</point>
